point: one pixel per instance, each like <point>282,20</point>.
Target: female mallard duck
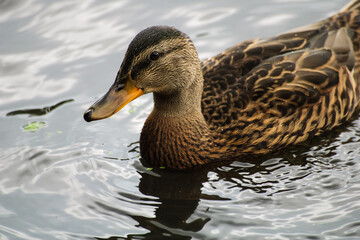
<point>253,98</point>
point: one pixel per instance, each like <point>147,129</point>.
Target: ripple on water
<point>304,199</point>
<point>72,187</point>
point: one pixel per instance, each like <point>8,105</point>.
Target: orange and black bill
<point>115,99</point>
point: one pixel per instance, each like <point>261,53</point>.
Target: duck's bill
<point>114,100</point>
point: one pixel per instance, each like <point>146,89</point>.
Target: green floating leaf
<point>34,126</point>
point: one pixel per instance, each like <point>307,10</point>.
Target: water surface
<point>76,180</point>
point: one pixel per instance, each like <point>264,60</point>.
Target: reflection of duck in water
<point>253,98</point>
<point>179,195</point>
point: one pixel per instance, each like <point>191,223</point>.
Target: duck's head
<point>159,59</point>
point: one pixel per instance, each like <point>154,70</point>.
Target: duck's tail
<point>353,5</point>
<point>352,10</point>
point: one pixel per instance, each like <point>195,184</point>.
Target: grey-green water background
<point>76,180</point>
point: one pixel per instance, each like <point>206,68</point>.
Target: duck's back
<point>285,89</point>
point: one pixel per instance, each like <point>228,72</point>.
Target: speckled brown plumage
<point>253,98</point>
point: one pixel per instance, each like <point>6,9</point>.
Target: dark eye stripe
<point>140,66</point>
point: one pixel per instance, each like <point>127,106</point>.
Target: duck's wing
<point>225,69</point>
<point>225,75</point>
<point>284,73</point>
<point>284,85</point>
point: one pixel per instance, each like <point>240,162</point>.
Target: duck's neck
<point>176,135</point>
<point>180,103</point>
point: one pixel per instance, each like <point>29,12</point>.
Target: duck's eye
<point>154,56</point>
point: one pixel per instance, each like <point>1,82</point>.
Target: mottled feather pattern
<point>283,90</point>
<point>163,148</point>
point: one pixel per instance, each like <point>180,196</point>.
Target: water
<point>76,180</point>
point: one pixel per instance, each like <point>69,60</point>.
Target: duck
<point>252,99</point>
